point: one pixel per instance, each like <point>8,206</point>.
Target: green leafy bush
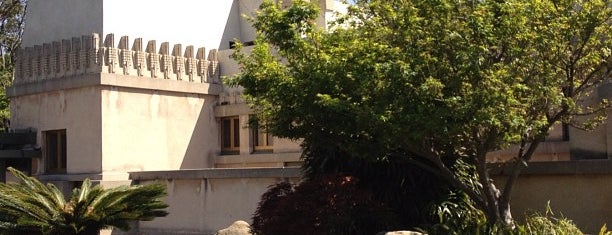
<point>547,223</point>
<point>458,216</point>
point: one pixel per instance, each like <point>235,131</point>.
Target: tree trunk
<point>506,215</point>
<point>498,210</point>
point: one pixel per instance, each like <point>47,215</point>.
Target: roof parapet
<point>88,55</point>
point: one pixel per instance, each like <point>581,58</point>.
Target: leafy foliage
<point>331,204</point>
<point>547,223</point>
<point>437,80</point>
<point>401,185</point>
<point>12,16</point>
<point>604,231</point>
<point>30,207</point>
<point>457,216</point>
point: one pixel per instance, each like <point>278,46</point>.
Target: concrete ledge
<point>547,151</point>
<point>20,153</point>
<point>557,168</point>
<point>258,158</point>
<point>69,177</point>
<point>94,79</point>
<point>53,84</point>
<point>289,172</point>
<point>160,84</point>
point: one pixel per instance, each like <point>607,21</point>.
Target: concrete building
<point>102,106</point>
<point>112,96</point>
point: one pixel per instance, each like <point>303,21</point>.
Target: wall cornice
<point>578,167</point>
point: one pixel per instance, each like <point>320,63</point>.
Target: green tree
<point>444,81</point>
<point>12,17</point>
<point>30,207</point>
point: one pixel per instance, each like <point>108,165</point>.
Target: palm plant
<point>30,207</point>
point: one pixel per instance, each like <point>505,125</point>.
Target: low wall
<point>204,201</point>
<point>578,190</point>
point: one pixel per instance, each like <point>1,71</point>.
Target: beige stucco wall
<point>76,110</point>
<point>201,204</point>
<point>208,205</point>
<point>156,130</point>
<point>205,205</point>
<point>584,198</point>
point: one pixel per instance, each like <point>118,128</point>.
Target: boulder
<point>237,228</point>
<point>400,233</point>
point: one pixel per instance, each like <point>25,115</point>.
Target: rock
<point>237,228</point>
<point>401,233</point>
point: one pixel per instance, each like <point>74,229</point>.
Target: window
<point>230,135</point>
<point>55,151</point>
<point>262,141</point>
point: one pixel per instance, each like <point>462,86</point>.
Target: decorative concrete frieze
<point>165,64</point>
<point>125,57</point>
<point>89,55</point>
<point>152,59</point>
<point>190,64</point>
<point>202,64</point>
<point>18,69</point>
<point>140,59</point>
<point>178,62</point>
<point>213,71</point>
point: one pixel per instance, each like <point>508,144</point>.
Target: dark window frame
<point>230,135</point>
<point>262,140</point>
<point>55,151</point>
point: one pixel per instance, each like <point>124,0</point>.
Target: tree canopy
<point>12,16</point>
<point>432,80</point>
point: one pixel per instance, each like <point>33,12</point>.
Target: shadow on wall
<point>204,140</point>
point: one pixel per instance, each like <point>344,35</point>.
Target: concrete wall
<point>76,110</point>
<point>586,198</point>
<point>595,144</point>
<point>53,20</point>
<point>126,124</point>
<point>204,201</point>
<point>143,117</point>
<point>578,190</point>
<point>146,130</point>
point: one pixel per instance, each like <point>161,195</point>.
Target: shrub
<point>398,182</point>
<point>457,216</point>
<point>547,223</point>
<point>331,204</point>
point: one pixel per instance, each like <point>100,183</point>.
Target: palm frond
<point>31,207</point>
